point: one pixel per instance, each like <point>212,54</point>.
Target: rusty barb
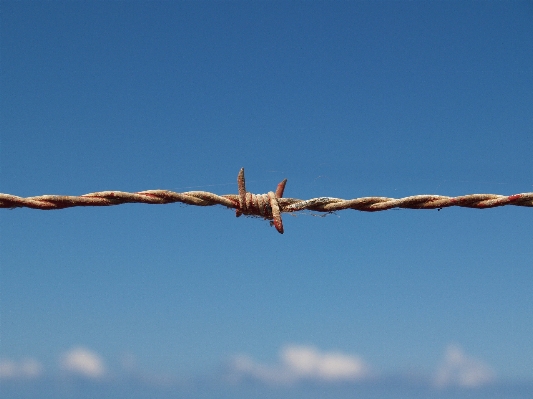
<point>268,206</point>
<point>264,205</point>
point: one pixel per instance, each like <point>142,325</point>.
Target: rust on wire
<point>268,206</point>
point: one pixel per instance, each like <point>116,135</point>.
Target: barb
<point>268,206</point>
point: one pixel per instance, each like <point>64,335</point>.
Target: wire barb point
<point>262,205</point>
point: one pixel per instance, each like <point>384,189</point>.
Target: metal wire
<point>269,206</point>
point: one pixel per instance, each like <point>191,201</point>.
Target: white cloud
<point>303,362</point>
<point>309,362</point>
<point>83,362</point>
<point>26,368</point>
<point>458,369</point>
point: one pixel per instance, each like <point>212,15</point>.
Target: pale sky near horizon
<point>344,99</point>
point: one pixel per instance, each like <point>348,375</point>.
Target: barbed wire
<point>269,206</point>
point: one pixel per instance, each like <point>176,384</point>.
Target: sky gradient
<point>344,99</point>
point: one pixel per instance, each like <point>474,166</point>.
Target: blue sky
<point>344,99</point>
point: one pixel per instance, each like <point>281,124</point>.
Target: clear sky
<point>344,99</point>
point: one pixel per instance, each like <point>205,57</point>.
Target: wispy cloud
<point>296,364</point>
<point>303,362</point>
<point>26,368</point>
<point>83,362</point>
<point>458,369</point>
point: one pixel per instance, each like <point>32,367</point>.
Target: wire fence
<point>269,206</point>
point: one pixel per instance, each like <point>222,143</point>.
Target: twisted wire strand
<point>269,206</point>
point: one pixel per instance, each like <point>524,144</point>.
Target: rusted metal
<point>268,206</point>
